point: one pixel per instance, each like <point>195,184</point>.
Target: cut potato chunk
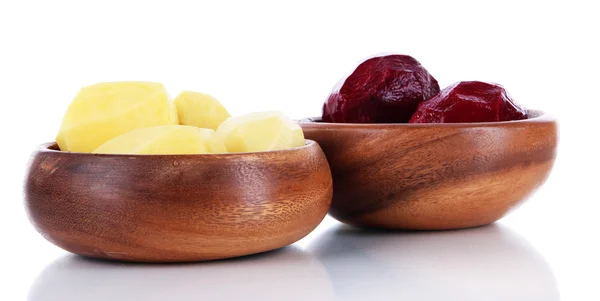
<point>103,111</point>
<point>164,140</point>
<point>263,131</point>
<point>201,110</point>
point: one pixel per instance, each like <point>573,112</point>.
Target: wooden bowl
<point>434,176</point>
<point>177,208</point>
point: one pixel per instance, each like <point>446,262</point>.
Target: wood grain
<point>177,208</point>
<point>434,176</point>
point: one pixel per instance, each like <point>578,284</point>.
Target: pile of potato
<point>140,118</point>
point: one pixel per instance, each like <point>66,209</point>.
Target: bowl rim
<point>539,117</point>
<point>52,147</point>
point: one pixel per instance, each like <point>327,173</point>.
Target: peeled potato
<point>103,111</point>
<point>164,140</point>
<point>201,110</point>
<point>262,131</point>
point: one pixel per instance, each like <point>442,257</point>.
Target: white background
<point>257,55</point>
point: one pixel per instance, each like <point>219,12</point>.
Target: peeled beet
<point>469,102</point>
<point>383,89</point>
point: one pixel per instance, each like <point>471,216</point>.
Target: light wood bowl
<point>176,208</point>
<point>434,176</point>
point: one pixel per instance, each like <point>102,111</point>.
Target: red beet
<point>469,102</point>
<point>383,89</point>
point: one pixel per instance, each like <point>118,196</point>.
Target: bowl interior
<point>53,147</point>
<point>533,116</point>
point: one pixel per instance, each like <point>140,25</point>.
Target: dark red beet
<point>383,89</point>
<point>469,102</point>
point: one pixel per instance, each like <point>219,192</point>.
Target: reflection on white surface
<point>487,263</point>
<point>341,263</point>
<point>287,274</point>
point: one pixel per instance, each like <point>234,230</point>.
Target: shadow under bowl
<point>434,176</point>
<point>176,208</point>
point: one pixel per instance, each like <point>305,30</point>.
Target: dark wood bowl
<point>434,176</point>
<point>176,208</point>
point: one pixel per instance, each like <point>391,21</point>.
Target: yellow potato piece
<point>164,140</point>
<point>201,110</point>
<point>263,131</point>
<point>103,111</point>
